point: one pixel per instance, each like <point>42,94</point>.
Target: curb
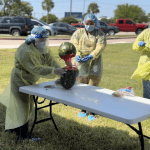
<point>68,38</point>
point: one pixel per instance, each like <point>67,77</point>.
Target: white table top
<point>129,110</point>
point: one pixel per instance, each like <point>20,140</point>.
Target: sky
<point>106,7</point>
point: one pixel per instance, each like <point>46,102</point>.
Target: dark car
<point>111,30</point>
<point>15,25</point>
<point>63,28</point>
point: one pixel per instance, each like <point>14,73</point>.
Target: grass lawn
<point>119,63</point>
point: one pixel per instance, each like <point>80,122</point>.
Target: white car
<point>52,31</point>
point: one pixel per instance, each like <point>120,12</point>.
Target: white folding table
<point>129,110</point>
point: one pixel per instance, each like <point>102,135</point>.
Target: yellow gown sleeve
<point>33,65</point>
<point>50,61</point>
<point>141,37</point>
<point>100,45</point>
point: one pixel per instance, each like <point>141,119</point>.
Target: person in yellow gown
<point>90,43</point>
<point>32,61</point>
<point>142,73</point>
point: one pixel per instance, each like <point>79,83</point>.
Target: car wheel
<point>49,32</point>
<point>15,32</point>
<point>138,31</point>
<point>111,32</point>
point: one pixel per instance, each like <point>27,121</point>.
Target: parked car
<point>127,25</point>
<point>78,25</point>
<point>52,31</point>
<point>15,25</point>
<point>111,30</point>
<point>63,28</point>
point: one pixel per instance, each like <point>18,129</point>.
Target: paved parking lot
<point>17,43</point>
<point>126,33</point>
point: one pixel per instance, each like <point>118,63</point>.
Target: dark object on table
<point>68,79</point>
<point>66,51</point>
<point>49,86</point>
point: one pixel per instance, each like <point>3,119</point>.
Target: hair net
<point>40,31</point>
<point>37,32</point>
<point>93,18</point>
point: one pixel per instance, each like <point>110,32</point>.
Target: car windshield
<point>1,19</point>
<point>106,24</point>
<point>69,25</point>
<point>43,23</point>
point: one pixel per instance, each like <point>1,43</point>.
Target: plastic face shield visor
<point>42,44</point>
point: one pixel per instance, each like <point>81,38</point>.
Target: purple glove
<point>87,58</point>
<point>141,43</point>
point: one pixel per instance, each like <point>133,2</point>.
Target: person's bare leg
<point>94,80</point>
<point>82,79</point>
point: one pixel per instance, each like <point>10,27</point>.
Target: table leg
<point>36,109</point>
<point>140,133</point>
<point>50,109</point>
<point>141,136</point>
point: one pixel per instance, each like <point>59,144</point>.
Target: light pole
<point>70,7</point>
<point>83,7</point>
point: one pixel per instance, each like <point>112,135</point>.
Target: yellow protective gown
<point>89,44</point>
<point>143,69</point>
<point>30,65</point>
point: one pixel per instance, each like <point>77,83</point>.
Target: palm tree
<point>47,5</point>
<point>93,7</point>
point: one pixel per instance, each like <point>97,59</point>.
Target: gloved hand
<point>78,58</point>
<point>141,43</point>
<point>57,82</point>
<point>59,71</point>
<point>87,58</point>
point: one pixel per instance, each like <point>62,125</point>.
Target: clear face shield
<point>42,44</point>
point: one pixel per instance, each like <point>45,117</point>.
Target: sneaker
<point>82,114</point>
<point>91,117</point>
<point>36,139</point>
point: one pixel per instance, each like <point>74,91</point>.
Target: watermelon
<point>66,48</point>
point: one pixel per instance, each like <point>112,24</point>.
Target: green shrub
<point>51,18</point>
<point>69,20</point>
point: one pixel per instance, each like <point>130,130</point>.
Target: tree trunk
<point>47,17</point>
<point>4,11</point>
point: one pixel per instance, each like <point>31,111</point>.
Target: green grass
<point>119,63</point>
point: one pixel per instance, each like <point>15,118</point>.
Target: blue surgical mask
<point>89,28</point>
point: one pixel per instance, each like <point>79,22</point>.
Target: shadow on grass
<point>71,136</point>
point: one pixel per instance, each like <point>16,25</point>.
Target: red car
<point>127,25</point>
<point>78,25</point>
